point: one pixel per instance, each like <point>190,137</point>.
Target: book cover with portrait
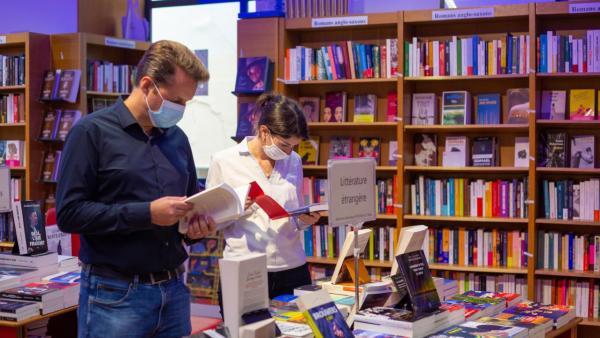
<point>253,75</point>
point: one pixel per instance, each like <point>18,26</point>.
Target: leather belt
<point>144,278</point>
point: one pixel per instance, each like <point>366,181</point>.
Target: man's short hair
<point>162,59</point>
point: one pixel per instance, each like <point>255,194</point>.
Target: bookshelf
<point>73,51</point>
<point>35,48</point>
<point>528,20</point>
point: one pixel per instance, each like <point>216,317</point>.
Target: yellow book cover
<point>488,199</point>
<point>494,247</point>
<point>581,104</point>
<point>461,197</point>
<point>309,150</point>
<point>372,246</point>
<point>490,59</point>
<point>504,43</point>
<point>330,245</point>
<point>461,246</point>
<point>446,244</point>
<point>456,196</point>
<point>430,45</point>
<point>432,248</point>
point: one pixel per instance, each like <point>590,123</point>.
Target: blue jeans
<point>116,308</point>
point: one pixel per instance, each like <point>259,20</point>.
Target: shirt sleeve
<point>77,210</point>
<point>215,174</point>
<point>300,195</point>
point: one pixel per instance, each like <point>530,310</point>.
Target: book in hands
<point>224,204</point>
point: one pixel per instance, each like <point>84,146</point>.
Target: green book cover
<point>372,246</point>
<point>458,57</point>
<point>376,61</point>
<point>406,63</point>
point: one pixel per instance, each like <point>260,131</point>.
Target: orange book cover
<point>509,254</point>
<point>494,247</point>
<point>456,197</point>
<point>488,199</point>
<point>446,243</point>
<point>287,64</point>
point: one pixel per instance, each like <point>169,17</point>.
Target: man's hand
<point>168,210</point>
<point>200,226</point>
<point>248,202</point>
<point>311,218</point>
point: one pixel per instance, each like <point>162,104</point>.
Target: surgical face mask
<point>274,152</point>
<point>167,115</point>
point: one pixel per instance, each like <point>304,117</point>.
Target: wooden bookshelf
<point>12,88</point>
<point>73,51</point>
<point>333,261</point>
<point>527,19</point>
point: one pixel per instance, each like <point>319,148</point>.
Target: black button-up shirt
<point>110,171</point>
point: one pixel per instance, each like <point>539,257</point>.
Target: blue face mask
<point>167,115</point>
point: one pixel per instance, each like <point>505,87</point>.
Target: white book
<point>451,251</point>
<point>415,57</point>
<point>392,243</point>
<point>454,56</point>
<point>580,56</point>
<point>347,251</point>
<point>411,238</point>
<point>527,55</point>
<point>438,198</point>
<point>245,287</point>
<point>422,194</point>
<point>388,64</point>
<point>413,199</point>
<point>479,243</point>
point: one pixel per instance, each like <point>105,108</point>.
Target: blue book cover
<point>356,57</point>
<point>571,242</point>
<point>475,55</point>
<point>451,191</point>
<point>327,321</point>
<point>509,51</point>
<point>444,198</point>
<point>543,54</point>
<point>363,59</point>
<point>308,242</point>
<point>327,63</point>
<point>488,108</point>
<point>560,198</point>
<point>302,63</point>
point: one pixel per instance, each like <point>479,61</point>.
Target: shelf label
<point>341,21</point>
<point>592,7</point>
<point>123,43</point>
<point>2,39</point>
<point>462,14</point>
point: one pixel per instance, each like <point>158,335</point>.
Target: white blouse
<point>255,232</point>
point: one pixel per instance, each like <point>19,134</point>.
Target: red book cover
<point>16,108</point>
<point>346,56</point>
<point>585,254</point>
<point>392,107</point>
<point>537,48</point>
<point>287,65</point>
<point>479,206</point>
<point>442,58</point>
<point>314,239</point>
<point>333,61</point>
<point>383,62</point>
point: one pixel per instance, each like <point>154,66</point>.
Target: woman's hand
<point>248,203</point>
<point>311,218</point>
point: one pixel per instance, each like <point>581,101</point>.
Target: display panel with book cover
<point>552,149</point>
<point>423,109</point>
<point>456,108</point>
<point>203,270</point>
<point>253,75</point>
<point>421,289</point>
<point>425,150</point>
<point>50,125</point>
<point>583,150</point>
<point>68,118</point>
<point>553,105</point>
<point>309,150</point>
<point>582,103</point>
<point>488,109</point>
<point>370,147</point>
<point>68,86</point>
<point>340,147</point>
<point>323,316</point>
<point>247,120</point>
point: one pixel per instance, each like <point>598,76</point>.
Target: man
<point>125,172</point>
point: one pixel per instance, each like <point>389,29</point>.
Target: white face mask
<point>274,152</point>
<point>167,115</point>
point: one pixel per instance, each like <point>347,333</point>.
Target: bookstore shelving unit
<point>35,48</point>
<point>73,51</point>
<point>529,20</point>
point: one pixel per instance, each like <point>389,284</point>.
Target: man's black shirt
<point>109,173</point>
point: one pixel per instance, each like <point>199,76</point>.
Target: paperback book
<point>365,108</point>
<point>340,147</point>
<point>581,104</point>
<point>323,315</point>
<point>484,151</point>
<point>456,152</point>
<point>553,105</point>
<point>488,109</point>
<point>425,150</point>
<point>309,150</point>
<point>68,118</point>
<point>30,228</point>
<point>50,125</point>
<point>582,151</point>
<point>370,147</point>
<point>456,108</point>
<point>335,107</point>
<point>421,289</point>
<point>392,107</point>
<point>518,106</point>
<point>521,151</point>
<point>393,153</point>
<point>311,107</point>
<point>423,109</point>
<point>553,150</point>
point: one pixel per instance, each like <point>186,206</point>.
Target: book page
<point>221,203</point>
<point>410,239</point>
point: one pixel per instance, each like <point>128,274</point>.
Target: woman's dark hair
<point>282,115</point>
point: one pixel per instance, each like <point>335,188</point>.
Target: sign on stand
<point>352,187</point>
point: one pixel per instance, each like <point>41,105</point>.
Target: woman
<point>268,158</point>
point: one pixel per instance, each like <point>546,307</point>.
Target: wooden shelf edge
<point>568,273</point>
<point>485,269</point>
<point>573,171</point>
<point>106,94</point>
<point>342,82</point>
<point>9,88</point>
<point>467,128</point>
<point>565,222</point>
<point>587,322</point>
<point>324,167</point>
<point>466,78</point>
<point>333,261</point>
<point>523,170</point>
<point>466,219</point>
<point>568,75</point>
<point>351,124</point>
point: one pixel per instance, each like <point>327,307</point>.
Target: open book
<point>225,204</point>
